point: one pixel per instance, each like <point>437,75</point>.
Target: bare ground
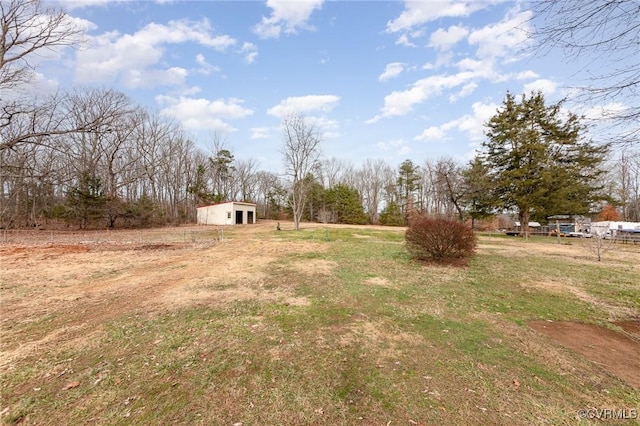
<point>75,288</point>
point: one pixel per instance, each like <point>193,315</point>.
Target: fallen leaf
<point>72,385</point>
<point>516,382</point>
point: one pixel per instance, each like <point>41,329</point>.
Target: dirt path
<point>617,353</point>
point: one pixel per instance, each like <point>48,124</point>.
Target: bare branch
<point>28,30</point>
<point>605,34</point>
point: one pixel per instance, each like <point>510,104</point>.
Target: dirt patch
<point>364,237</point>
<point>614,352</point>
<point>366,335</point>
<point>315,266</point>
<point>380,282</point>
<point>631,326</point>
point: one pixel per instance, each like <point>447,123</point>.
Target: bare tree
<point>626,184</point>
<point>451,184</point>
<point>28,30</point>
<point>245,180</point>
<point>270,194</point>
<point>600,243</point>
<point>603,30</point>
<point>331,172</point>
<point>301,153</point>
<point>28,33</point>
<point>371,181</point>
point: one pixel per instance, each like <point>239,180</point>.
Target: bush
<point>440,240</point>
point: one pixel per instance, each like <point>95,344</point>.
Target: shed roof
<point>242,203</point>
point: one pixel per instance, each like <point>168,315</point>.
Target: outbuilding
<point>231,213</point>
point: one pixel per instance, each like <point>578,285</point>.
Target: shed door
<point>238,217</point>
<point>249,217</point>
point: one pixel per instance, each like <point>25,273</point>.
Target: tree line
<point>90,157</point>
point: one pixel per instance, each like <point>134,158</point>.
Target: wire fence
<point>177,235</point>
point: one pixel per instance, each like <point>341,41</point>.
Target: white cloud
<point>466,90</point>
<point>395,144</point>
<point>78,4</point>
<point>203,113</point>
<point>606,111</point>
<point>445,39</point>
<point>152,78</point>
<point>526,75</point>
<point>419,12</point>
<point>113,56</point>
<point>403,40</point>
<point>392,70</point>
<point>304,104</point>
<point>480,68</point>
<point>190,90</point>
<point>205,67</point>
<point>250,51</point>
<point>260,133</point>
<point>329,127</point>
<point>287,16</point>
<point>405,150</point>
<point>474,124</point>
<point>547,87</point>
<point>432,133</point>
<point>401,102</point>
<point>501,39</point>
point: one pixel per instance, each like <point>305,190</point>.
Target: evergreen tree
<point>408,183</point>
<point>199,188</point>
<point>316,199</point>
<point>346,205</point>
<point>86,202</point>
<point>538,161</point>
<point>222,170</point>
<point>391,215</point>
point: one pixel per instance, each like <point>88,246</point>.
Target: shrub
<point>440,240</point>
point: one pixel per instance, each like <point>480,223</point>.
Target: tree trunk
<point>523,215</point>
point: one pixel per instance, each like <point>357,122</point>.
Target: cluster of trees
<point>133,168</point>
<point>92,158</point>
<point>127,168</point>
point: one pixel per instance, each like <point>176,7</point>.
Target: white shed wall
<point>225,214</point>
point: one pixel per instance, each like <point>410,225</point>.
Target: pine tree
<point>346,205</point>
<point>408,183</point>
<point>539,162</point>
<point>391,215</point>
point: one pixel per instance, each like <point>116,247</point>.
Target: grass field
<point>328,326</point>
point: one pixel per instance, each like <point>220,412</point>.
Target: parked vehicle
<point>579,235</point>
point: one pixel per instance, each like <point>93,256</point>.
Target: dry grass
<point>268,327</point>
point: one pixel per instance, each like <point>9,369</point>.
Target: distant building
<point>613,228</point>
<point>231,213</point>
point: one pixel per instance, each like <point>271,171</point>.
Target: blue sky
<point>392,80</point>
